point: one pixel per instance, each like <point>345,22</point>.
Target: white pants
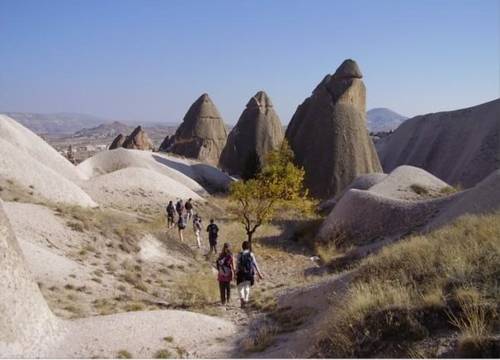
<point>198,237</point>
<point>244,289</point>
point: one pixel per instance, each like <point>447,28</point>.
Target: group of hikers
<point>243,270</point>
<point>185,212</point>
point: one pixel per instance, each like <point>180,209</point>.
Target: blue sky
<point>148,60</point>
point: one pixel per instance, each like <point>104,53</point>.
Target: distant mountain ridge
<point>105,130</point>
<point>67,123</point>
<point>383,120</point>
<point>56,123</point>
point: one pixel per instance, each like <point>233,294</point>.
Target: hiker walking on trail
<point>245,272</point>
<point>189,208</point>
<point>179,207</point>
<point>181,225</point>
<point>225,267</point>
<point>213,233</point>
<point>170,214</point>
<point>197,229</point>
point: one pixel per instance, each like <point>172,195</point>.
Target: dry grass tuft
<point>419,189</point>
<point>264,336</point>
<point>124,354</point>
<point>196,290</point>
<point>404,293</point>
<point>289,319</point>
<point>262,302</point>
<point>162,354</point>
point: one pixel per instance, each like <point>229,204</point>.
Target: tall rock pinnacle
<point>328,133</point>
<point>257,132</point>
<point>202,134</point>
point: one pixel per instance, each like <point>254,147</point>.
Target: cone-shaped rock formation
<point>202,134</point>
<point>257,132</point>
<point>328,133</point>
<point>117,142</point>
<point>165,144</point>
<point>139,140</point>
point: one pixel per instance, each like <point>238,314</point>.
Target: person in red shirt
<point>225,267</point>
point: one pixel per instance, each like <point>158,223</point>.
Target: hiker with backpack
<point>197,226</point>
<point>245,272</point>
<point>225,267</point>
<point>170,214</point>
<point>181,225</point>
<point>189,208</point>
<point>213,233</point>
<point>179,207</point>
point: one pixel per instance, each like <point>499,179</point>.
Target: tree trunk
<point>249,239</point>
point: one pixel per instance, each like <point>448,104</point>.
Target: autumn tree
<point>279,184</point>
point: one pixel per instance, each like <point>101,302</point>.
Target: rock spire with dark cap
<point>328,133</point>
<point>257,132</point>
<point>202,134</point>
<point>165,144</point>
<point>117,142</point>
<point>139,140</point>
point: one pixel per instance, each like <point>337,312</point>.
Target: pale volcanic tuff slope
<point>461,147</point>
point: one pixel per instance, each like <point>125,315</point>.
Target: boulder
<point>202,134</point>
<point>138,140</point>
<point>257,132</point>
<point>328,133</point>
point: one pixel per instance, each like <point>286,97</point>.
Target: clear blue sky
<point>149,60</point>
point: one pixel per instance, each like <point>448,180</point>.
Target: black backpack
<point>213,230</point>
<point>245,267</point>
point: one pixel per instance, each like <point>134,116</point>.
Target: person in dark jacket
<point>170,214</point>
<point>213,233</point>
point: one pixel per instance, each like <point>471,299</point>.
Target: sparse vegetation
<point>134,306</point>
<point>263,337</point>
<point>448,190</point>
<point>75,226</point>
<point>124,354</point>
<point>419,189</point>
<point>162,354</point>
<point>261,302</point>
<point>412,289</point>
<point>196,290</point>
<point>181,352</point>
<point>288,319</point>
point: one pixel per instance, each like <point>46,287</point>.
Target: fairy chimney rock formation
<point>139,140</point>
<point>165,144</point>
<point>117,142</point>
<point>257,132</point>
<point>328,133</point>
<point>202,134</point>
